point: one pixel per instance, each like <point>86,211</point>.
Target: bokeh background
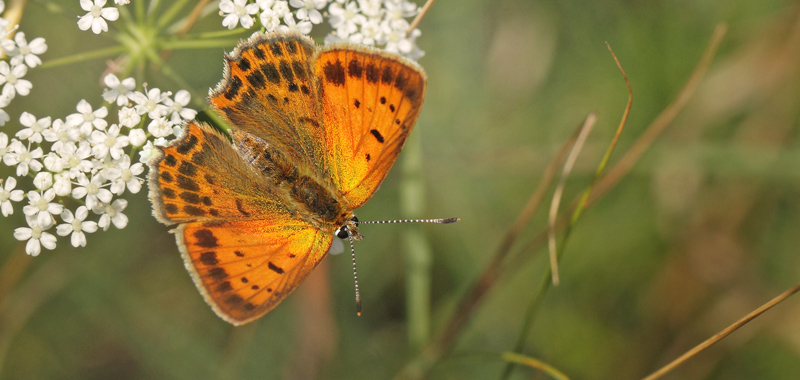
<point>703,230</point>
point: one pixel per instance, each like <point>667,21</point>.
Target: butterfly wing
<point>268,91</point>
<point>370,103</point>
<point>243,245</point>
<point>246,268</point>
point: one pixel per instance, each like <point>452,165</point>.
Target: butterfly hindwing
<point>246,268</point>
<point>370,103</point>
<point>189,181</point>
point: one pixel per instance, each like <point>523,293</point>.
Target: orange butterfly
<point>315,130</point>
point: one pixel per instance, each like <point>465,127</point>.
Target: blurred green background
<point>702,231</point>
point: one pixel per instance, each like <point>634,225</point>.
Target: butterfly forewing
<point>370,103</point>
<point>269,91</point>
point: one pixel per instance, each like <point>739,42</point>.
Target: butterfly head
<point>349,229</point>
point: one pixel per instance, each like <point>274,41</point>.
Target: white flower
<point>12,77</point>
<point>112,214</point>
<point>42,207</point>
<point>371,8</point>
<point>34,129</point>
<point>62,184</point>
<point>5,149</point>
<point>21,51</point>
<point>308,9</point>
<point>97,16</point>
<point>76,225</point>
<point>238,11</point>
<point>303,27</point>
<point>128,177</point>
<point>396,39</point>
<point>8,194</point>
<point>92,190</point>
<point>397,10</point>
<point>137,137</point>
<point>128,117</point>
<point>118,91</point>
<point>86,120</point>
<point>149,152</point>
<point>160,127</point>
<point>109,142</point>
<point>43,180</point>
<point>60,133</point>
<point>176,106</point>
<point>122,2</point>
<point>369,34</point>
<point>76,158</point>
<point>345,20</point>
<point>36,237</point>
<point>23,158</point>
<point>270,20</point>
<point>151,104</point>
<point>4,101</point>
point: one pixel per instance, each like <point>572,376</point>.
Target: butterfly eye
<point>355,220</point>
<point>342,233</point>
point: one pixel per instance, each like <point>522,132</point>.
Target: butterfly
<point>314,131</point>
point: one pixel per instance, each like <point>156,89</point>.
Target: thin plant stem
<point>722,334</point>
<point>513,357</point>
<point>559,191</point>
<point>85,56</point>
<point>418,251</point>
<point>420,15</point>
<point>170,13</point>
<point>191,20</point>
<point>198,44</point>
<point>435,349</point>
<point>662,121</point>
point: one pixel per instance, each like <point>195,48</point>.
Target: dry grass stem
<point>722,334</point>
<point>585,129</point>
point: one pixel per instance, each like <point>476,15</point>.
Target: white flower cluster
<point>380,23</point>
<point>18,56</point>
<point>83,160</point>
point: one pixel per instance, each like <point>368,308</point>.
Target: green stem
<point>418,250</point>
<point>83,57</point>
<point>170,14</point>
<point>198,44</point>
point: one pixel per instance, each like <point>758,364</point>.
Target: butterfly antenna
<point>437,221</point>
<point>355,278</point>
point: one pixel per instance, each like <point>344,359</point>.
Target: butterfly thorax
<point>313,199</point>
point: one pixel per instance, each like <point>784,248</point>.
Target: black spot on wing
<point>377,135</point>
<point>244,64</point>
<point>276,49</point>
<point>187,144</point>
<point>271,72</point>
<point>275,268</point>
<point>234,85</point>
<point>209,258</point>
<point>372,73</point>
<point>170,160</point>
<point>187,169</point>
<point>286,71</point>
<point>354,69</point>
<point>205,238</point>
<point>256,79</point>
<point>387,76</point>
<point>334,73</point>
<point>299,70</point>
